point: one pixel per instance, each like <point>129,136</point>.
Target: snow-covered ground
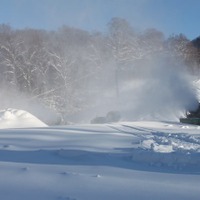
<point>125,161</point>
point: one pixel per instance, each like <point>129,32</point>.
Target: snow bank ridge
<point>14,118</point>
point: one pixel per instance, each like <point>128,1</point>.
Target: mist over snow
<point>73,76</point>
<point>161,90</point>
<point>165,93</point>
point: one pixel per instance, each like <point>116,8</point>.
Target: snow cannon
<point>192,117</point>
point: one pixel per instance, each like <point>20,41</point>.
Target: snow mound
<point>13,118</point>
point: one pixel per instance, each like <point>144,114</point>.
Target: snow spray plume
<point>158,89</point>
<point>163,91</point>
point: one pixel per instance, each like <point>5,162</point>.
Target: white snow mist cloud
<point>162,91</point>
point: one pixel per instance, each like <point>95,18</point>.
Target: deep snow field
<point>124,161</point>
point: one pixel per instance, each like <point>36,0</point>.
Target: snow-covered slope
<point>133,160</point>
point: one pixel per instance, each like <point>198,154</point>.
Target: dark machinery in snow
<point>192,117</point>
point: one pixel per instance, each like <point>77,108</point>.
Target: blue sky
<point>168,16</point>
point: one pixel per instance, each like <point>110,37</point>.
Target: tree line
<point>63,69</point>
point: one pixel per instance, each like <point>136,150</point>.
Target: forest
<point>66,69</point>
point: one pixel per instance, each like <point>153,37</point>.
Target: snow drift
<point>13,118</point>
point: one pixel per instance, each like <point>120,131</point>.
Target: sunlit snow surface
<point>124,161</point>
<point>14,118</point>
